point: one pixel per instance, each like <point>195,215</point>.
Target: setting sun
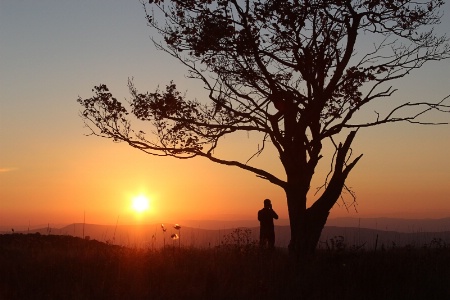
<point>140,203</point>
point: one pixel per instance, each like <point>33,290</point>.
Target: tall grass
<point>64,267</point>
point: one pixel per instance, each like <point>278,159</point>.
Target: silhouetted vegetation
<point>64,267</point>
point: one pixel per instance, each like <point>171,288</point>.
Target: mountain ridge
<point>381,223</point>
<point>152,235</point>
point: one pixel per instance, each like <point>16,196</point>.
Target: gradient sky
<point>52,52</point>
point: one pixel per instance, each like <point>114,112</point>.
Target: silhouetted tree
<point>288,70</point>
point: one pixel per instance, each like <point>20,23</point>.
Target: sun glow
<point>140,203</point>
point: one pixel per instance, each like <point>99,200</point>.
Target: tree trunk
<point>306,228</point>
<point>307,224</point>
<point>296,211</point>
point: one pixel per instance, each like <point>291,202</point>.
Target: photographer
<point>267,228</point>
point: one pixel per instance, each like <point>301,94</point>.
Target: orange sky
<point>51,173</point>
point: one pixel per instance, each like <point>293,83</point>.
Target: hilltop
<point>35,266</point>
<point>367,233</point>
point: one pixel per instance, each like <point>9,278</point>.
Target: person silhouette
<point>267,228</point>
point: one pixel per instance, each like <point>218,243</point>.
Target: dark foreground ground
<point>65,267</point>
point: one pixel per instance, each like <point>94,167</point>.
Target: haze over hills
<point>381,223</point>
<point>369,233</point>
<point>389,224</point>
<point>393,224</point>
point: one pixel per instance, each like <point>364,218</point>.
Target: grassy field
<point>64,267</point>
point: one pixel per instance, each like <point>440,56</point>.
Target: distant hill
<point>387,224</point>
<point>152,236</point>
<point>394,224</point>
<point>382,223</point>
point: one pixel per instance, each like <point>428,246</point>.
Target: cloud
<point>5,170</point>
